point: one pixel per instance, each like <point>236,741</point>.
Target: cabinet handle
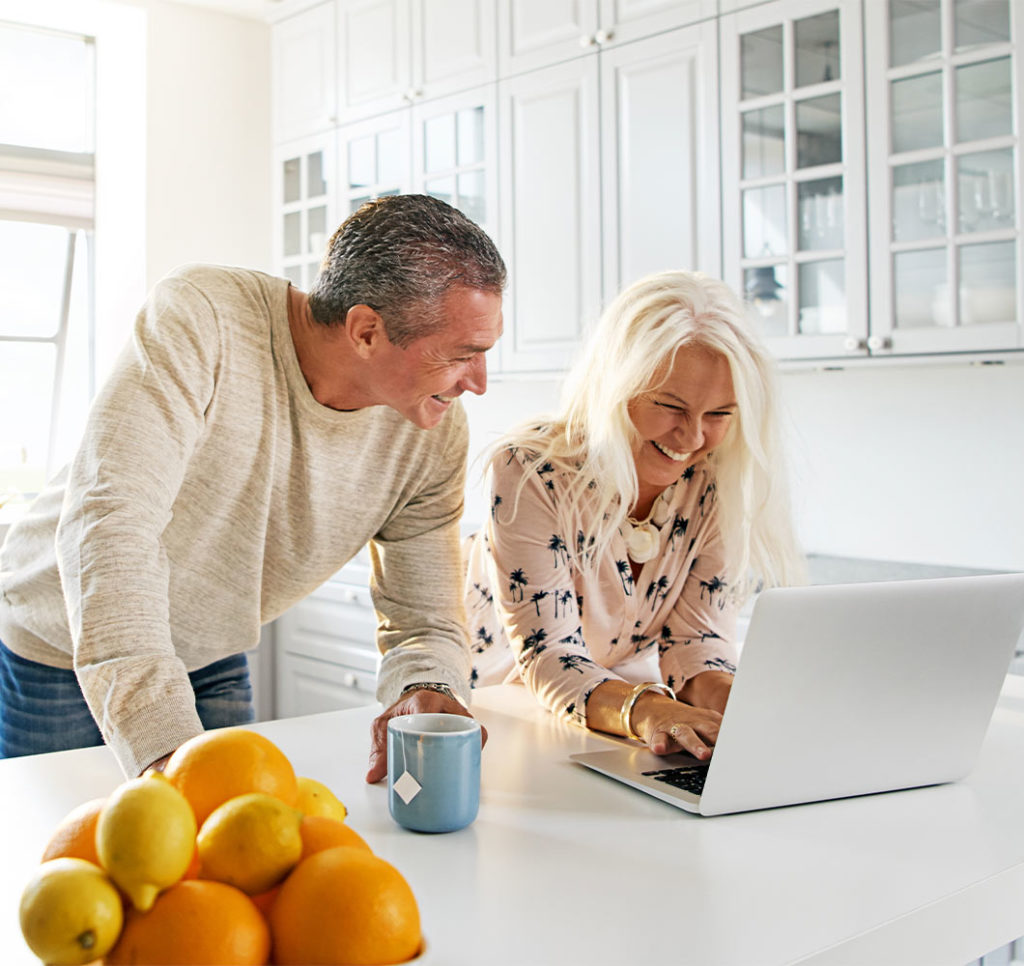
<point>603,36</point>
<point>351,681</point>
<point>588,40</point>
<point>853,344</point>
<point>879,342</point>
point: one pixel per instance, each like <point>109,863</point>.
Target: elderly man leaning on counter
<point>250,440</point>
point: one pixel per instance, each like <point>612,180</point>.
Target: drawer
<point>307,686</point>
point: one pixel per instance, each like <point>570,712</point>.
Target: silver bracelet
<point>438,686</point>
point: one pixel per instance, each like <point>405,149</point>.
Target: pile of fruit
<point>225,858</point>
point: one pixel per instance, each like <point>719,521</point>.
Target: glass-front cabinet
<point>793,173</point>
<point>304,188</point>
<point>444,148</point>
<point>884,226</point>
<point>945,174</point>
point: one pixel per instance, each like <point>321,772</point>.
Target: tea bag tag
<point>407,787</point>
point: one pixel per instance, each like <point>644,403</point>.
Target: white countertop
<point>564,866</point>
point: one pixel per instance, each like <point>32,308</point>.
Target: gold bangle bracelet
<point>626,714</point>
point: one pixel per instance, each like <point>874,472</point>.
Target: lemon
<point>145,837</point>
<point>251,842</point>
<point>317,799</point>
<point>70,912</point>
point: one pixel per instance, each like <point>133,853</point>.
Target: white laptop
<point>846,690</point>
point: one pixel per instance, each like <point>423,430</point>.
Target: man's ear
<point>365,330</point>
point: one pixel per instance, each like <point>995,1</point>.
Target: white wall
<point>920,463</point>
<point>208,139</point>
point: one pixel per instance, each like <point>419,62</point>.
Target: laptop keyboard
<point>688,777</point>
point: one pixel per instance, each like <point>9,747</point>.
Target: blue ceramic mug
<point>433,771</point>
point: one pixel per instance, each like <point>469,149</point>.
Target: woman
<point>626,531</point>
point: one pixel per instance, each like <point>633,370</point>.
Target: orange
<point>218,765</point>
<point>75,835</point>
<point>195,922</point>
<point>320,832</point>
<point>265,900</point>
<point>192,872</point>
<point>345,905</point>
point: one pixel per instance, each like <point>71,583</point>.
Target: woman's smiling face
<point>682,417</point>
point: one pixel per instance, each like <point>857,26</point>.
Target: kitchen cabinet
<point>597,140</point>
<point>305,205</point>
<point>326,651</point>
<point>445,148</point>
<point>551,220</point>
<point>303,68</point>
<point>945,84</point>
<point>793,177</point>
<point>643,111</point>
<point>934,203</point>
<point>659,156</point>
<point>604,178</point>
<point>539,33</point>
<point>393,53</point>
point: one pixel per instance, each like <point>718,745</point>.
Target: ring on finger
<point>674,731</point>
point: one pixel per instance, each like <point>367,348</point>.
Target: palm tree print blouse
<point>536,614</point>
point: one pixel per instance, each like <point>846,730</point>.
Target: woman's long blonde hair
<point>636,339</point>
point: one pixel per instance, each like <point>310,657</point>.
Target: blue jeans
<point>42,708</point>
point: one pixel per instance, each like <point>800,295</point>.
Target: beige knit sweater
<point>210,493</point>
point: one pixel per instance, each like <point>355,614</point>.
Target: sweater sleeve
<point>418,576</point>
<point>533,582</point>
<point>120,490</point>
<point>703,622</point>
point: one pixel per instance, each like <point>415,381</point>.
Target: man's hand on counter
<point>418,701</point>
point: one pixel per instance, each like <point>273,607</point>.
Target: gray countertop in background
<point>852,570</point>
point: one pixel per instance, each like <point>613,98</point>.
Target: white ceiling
<point>256,9</point>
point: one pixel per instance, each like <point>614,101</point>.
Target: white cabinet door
<point>303,69</point>
<point>395,53</point>
<point>659,132</point>
<point>627,20</point>
<point>452,46</point>
<point>304,196</point>
<point>454,153</point>
<point>373,160</point>
<point>374,65</point>
<point>794,210</point>
<point>537,33</point>
<point>551,224</point>
<point>945,112</point>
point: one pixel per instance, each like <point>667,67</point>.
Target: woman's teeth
<point>671,453</point>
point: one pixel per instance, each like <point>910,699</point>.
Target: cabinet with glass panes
<point>793,179</point>
<point>444,148</point>
<point>304,203</point>
<point>931,219</point>
<point>944,87</point>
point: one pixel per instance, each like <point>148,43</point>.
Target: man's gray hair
<point>401,255</point>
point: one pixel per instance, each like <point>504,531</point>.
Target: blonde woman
<point>626,530</point>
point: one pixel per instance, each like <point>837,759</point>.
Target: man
<point>249,441</point>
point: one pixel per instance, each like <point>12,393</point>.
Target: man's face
<point>421,380</point>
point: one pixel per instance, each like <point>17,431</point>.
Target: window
<point>47,363</point>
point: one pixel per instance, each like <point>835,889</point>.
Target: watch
<point>437,686</point>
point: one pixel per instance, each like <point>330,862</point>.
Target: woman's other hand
<point>710,689</point>
<point>669,726</point>
<point>665,725</point>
